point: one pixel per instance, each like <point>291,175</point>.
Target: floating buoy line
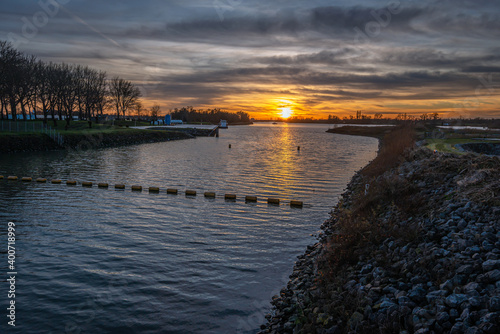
<point>157,190</point>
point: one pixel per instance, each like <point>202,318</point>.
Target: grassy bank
<point>444,140</point>
<point>449,140</point>
<point>79,136</point>
<point>26,142</point>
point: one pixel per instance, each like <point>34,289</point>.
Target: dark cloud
<point>195,52</point>
<point>325,57</point>
<point>482,69</point>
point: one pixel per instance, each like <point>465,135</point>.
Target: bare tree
<point>4,48</point>
<point>138,109</point>
<point>123,94</point>
<point>94,93</point>
<point>15,69</point>
<point>29,84</point>
<point>52,90</point>
<point>102,100</point>
<point>155,111</point>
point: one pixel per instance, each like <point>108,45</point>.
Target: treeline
<point>28,84</point>
<point>190,115</point>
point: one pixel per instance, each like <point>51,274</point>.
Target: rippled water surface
<point>95,260</point>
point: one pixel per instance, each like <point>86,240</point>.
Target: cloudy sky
<point>316,57</point>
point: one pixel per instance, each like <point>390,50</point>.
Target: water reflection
<point>180,264</point>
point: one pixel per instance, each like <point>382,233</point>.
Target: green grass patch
<point>448,145</point>
<point>17,134</point>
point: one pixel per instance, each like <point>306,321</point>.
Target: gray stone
<point>417,294</point>
<point>448,285</point>
<point>491,265</point>
<point>487,246</point>
<point>387,304</point>
<point>454,300</point>
<point>442,317</point>
<point>421,312</point>
<point>494,303</point>
<point>432,296</point>
<point>465,314</point>
<point>488,328</point>
<point>453,313</point>
<point>458,328</point>
<point>492,276</point>
<point>459,279</point>
<point>405,301</point>
<point>462,224</point>
<point>491,317</point>
<point>472,286</point>
<point>475,301</point>
<point>367,268</point>
<point>473,330</point>
<point>465,269</point>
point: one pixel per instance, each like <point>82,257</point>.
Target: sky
<point>311,58</point>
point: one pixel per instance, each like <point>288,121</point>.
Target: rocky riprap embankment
<point>443,279</point>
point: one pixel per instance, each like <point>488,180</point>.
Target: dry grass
<point>393,146</point>
<point>361,224</point>
<point>358,226</point>
<point>401,198</point>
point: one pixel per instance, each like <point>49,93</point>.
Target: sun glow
<point>286,112</point>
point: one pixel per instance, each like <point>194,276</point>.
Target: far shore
<point>79,136</point>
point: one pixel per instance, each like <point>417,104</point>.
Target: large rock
<point>454,300</point>
<point>491,265</point>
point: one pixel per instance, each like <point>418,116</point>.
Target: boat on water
<point>223,124</point>
<point>275,123</point>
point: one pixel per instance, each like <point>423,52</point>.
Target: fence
<point>32,127</point>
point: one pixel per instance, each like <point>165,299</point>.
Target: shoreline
<point>19,143</point>
<point>419,252</point>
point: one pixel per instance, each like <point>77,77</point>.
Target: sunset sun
<point>286,112</point>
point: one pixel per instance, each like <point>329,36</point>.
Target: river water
<point>92,260</point>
